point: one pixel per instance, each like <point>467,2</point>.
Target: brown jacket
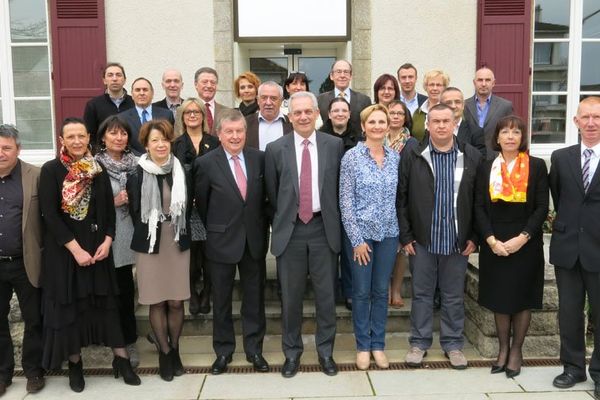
<point>31,225</point>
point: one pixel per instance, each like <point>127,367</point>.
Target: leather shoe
<point>3,386</point>
<point>194,303</point>
<point>497,369</point>
<point>290,367</point>
<point>35,384</point>
<point>220,364</point>
<point>567,380</point>
<point>258,362</point>
<point>597,391</point>
<point>328,366</point>
<point>204,306</point>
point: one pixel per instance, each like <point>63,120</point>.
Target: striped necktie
<point>585,170</point>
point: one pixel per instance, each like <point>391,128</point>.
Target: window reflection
<point>591,19</point>
<point>270,68</point>
<point>27,20</point>
<point>34,122</point>
<point>590,73</point>
<point>550,65</point>
<point>30,71</point>
<point>552,19</point>
<point>548,118</point>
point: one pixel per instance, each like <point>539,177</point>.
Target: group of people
<point>183,189</point>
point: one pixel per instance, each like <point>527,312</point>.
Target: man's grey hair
<point>10,132</point>
<point>299,95</point>
<point>230,115</point>
<point>272,84</point>
<point>207,70</point>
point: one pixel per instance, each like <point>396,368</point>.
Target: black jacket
<point>350,137</point>
<point>416,196</point>
<point>98,108</point>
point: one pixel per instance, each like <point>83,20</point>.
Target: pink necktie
<point>240,178</point>
<point>305,211</point>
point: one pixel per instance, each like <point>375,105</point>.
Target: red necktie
<point>209,117</point>
<point>305,211</point>
<point>240,178</point>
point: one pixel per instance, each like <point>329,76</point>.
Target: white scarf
<point>151,202</point>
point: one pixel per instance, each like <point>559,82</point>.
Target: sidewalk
<point>534,383</point>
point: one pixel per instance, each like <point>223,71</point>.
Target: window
<point>25,89</point>
<point>566,53</point>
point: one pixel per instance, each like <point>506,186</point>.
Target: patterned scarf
<point>77,186</point>
<point>510,187</point>
<point>399,141</point>
<point>118,171</point>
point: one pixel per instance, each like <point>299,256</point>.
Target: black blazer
<point>232,222</point>
<point>576,229</point>
<point>163,104</point>
<point>358,102</point>
<point>416,195</point>
<point>132,117</point>
<point>140,241</point>
<point>421,99</point>
<point>252,130</point>
<point>537,199</point>
<point>471,134</point>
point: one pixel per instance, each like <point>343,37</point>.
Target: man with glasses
<point>269,123</point>
<point>206,80</point>
<point>341,75</point>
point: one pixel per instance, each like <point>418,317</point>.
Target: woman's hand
<point>499,249</point>
<point>121,198</point>
<point>103,250</point>
<point>513,245</point>
<point>361,254</point>
<point>82,257</point>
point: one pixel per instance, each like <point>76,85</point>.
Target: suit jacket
<point>252,130</point>
<point>31,225</point>
<point>132,117</point>
<point>576,229</point>
<point>163,103</point>
<point>231,221</point>
<point>219,108</point>
<point>421,99</point>
<point>473,135</point>
<point>358,102</point>
<point>281,178</point>
<point>499,108</point>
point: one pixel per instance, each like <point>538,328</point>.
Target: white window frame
<point>573,92</point>
<point>7,92</point>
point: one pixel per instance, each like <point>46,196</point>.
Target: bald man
<point>172,83</point>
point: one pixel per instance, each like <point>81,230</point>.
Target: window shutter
<point>78,54</point>
<point>504,45</point>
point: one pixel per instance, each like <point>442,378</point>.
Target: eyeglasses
<point>396,113</point>
<point>342,71</point>
<point>192,112</point>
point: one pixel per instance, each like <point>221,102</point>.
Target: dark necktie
<point>305,211</point>
<point>144,117</point>
<point>585,170</point>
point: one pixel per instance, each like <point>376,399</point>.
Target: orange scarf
<point>509,187</point>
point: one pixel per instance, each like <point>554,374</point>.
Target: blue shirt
<point>444,238</point>
<point>482,112</point>
<point>412,104</point>
<point>368,195</point>
<point>140,111</point>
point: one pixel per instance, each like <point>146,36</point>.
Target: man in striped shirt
<point>435,209</point>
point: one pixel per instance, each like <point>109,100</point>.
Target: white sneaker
<point>414,357</point>
<point>134,356</point>
<point>457,359</point>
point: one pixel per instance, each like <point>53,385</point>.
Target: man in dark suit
<point>485,110</point>
<point>20,260</point>
<point>464,131</point>
<point>575,187</point>
<point>301,175</point>
<point>231,201</point>
<point>113,101</point>
<point>407,76</point>
<point>172,83</point>
<point>269,123</point>
<point>341,75</point>
<point>142,93</point>
<point>206,80</point>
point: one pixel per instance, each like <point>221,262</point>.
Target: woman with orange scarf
<point>511,204</point>
<point>78,275</point>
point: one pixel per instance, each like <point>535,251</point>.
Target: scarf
<point>399,141</point>
<point>151,202</point>
<point>77,185</point>
<point>509,187</point>
<point>118,170</point>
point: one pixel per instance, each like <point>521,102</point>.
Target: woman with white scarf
<point>158,204</point>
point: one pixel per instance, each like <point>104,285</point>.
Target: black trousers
<point>127,303</point>
<point>573,284</point>
<point>252,279</point>
<point>13,276</point>
<point>198,267</point>
<point>307,253</point>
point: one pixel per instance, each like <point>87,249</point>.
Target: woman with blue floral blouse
<point>368,180</point>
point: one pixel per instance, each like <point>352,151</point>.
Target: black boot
<point>122,366</point>
<point>76,381</point>
<point>178,369</point>
<point>165,365</point>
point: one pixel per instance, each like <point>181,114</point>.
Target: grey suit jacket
<point>219,108</point>
<point>576,229</point>
<point>31,225</point>
<point>132,117</point>
<point>499,108</point>
<point>252,130</point>
<point>281,180</point>
<point>358,102</point>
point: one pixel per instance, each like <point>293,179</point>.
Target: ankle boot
<point>76,381</point>
<point>165,365</point>
<point>178,369</point>
<point>122,366</point>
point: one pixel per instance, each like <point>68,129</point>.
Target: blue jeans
<point>370,285</point>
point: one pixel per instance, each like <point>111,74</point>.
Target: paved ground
<point>534,383</point>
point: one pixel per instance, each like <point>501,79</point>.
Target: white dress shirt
<point>232,163</point>
<point>593,160</point>
<point>314,166</point>
<point>269,131</point>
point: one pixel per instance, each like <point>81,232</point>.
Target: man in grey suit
<point>575,186</point>
<point>485,110</point>
<point>341,75</point>
<point>301,178</point>
<point>142,93</point>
